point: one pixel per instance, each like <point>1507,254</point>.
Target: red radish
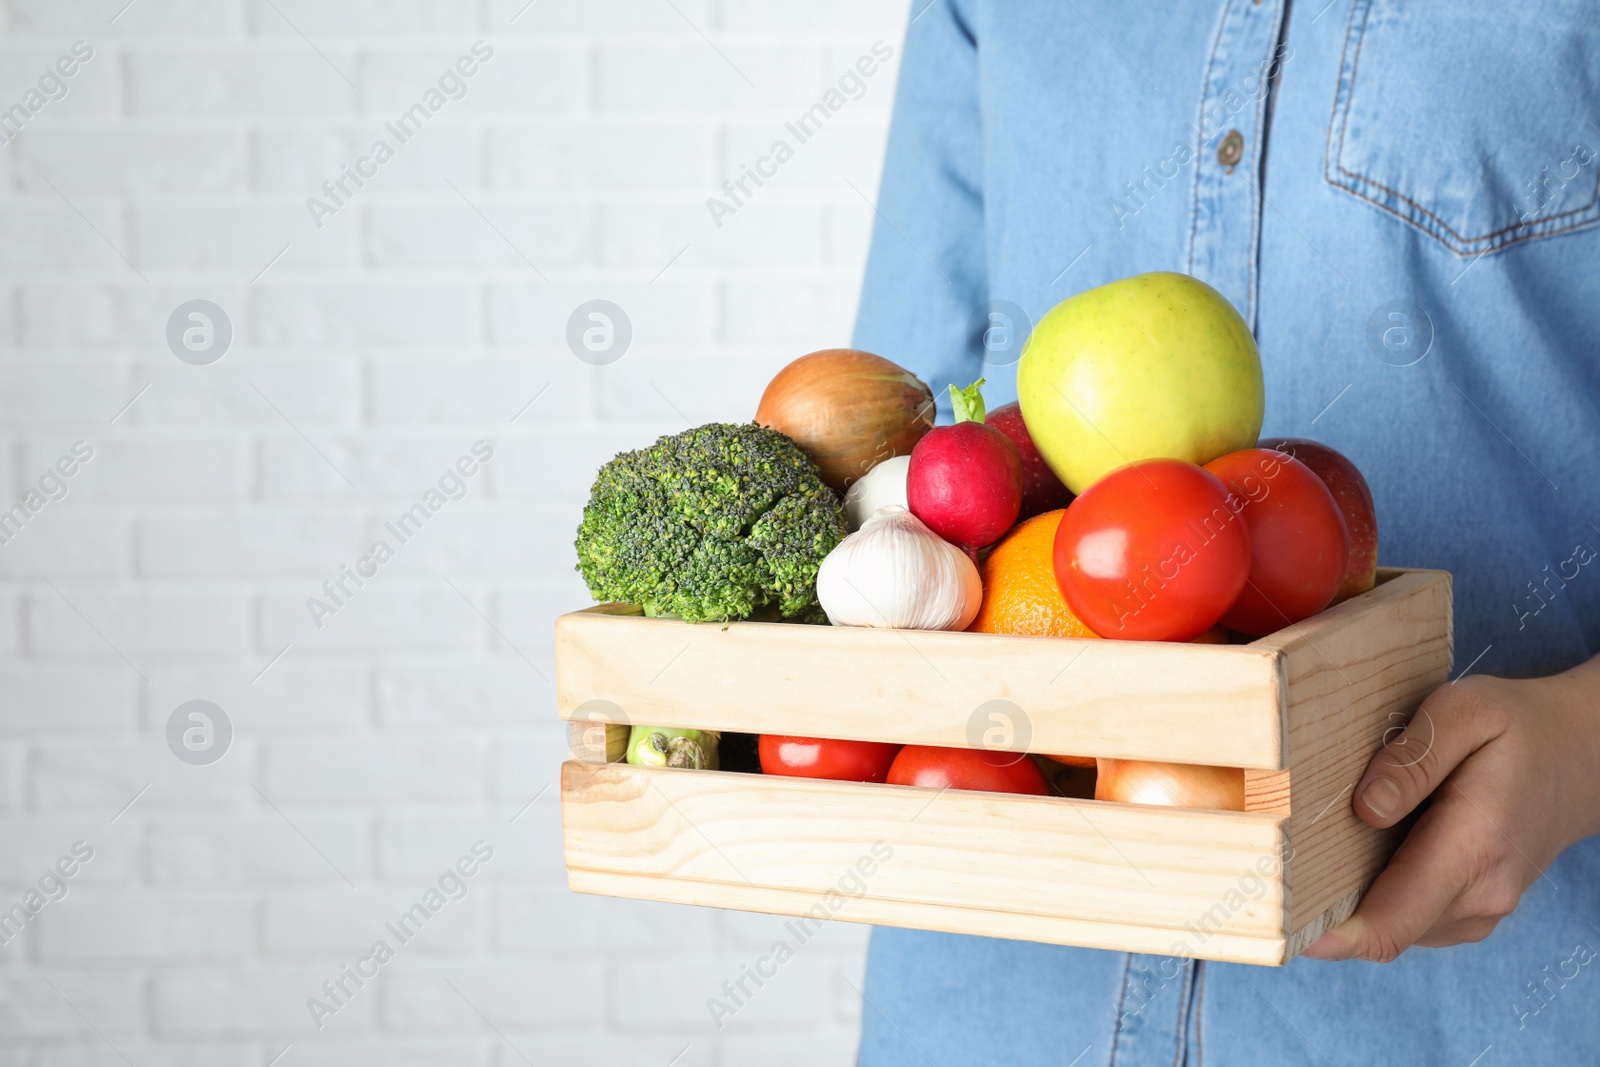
<point>965,480</point>
<point>1042,491</point>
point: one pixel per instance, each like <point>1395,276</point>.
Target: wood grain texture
<point>1355,672</point>
<point>597,742</point>
<point>1114,876</point>
<point>1208,704</point>
<point>1304,711</point>
<point>1267,791</point>
<point>1050,929</point>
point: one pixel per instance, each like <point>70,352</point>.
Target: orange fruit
<point>1020,594</point>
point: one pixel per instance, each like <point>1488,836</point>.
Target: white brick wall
<point>421,317</point>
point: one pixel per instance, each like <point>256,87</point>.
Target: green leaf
<point>968,403</point>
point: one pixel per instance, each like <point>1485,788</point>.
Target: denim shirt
<point>1401,199</point>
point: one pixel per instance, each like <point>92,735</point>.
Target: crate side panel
<point>1205,704</point>
<point>1191,876</point>
<point>1353,678</point>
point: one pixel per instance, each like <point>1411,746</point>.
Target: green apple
<point>1153,366</point>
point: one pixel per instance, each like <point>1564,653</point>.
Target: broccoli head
<point>719,522</point>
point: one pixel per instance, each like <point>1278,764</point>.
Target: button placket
<point>1225,220</point>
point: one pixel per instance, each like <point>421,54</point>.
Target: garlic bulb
<point>895,572</point>
<point>882,485</point>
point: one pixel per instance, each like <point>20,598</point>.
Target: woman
<point>1401,199</point>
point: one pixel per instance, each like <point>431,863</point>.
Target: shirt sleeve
<point>926,273</point>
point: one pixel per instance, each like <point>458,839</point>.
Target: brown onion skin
<point>1177,785</point>
<point>850,410</point>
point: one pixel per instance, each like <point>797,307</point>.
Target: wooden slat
<point>1116,937</point>
<point>1354,672</point>
<point>597,742</point>
<point>1267,791</point>
<point>1077,872</point>
<point>1206,704</point>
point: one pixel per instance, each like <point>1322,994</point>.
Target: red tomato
<point>1152,552</point>
<point>967,768</point>
<point>819,757</point>
<point>1299,544</point>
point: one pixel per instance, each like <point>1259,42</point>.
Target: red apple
<point>1299,542</point>
<point>1354,498</point>
<point>1042,491</point>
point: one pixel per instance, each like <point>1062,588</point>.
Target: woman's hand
<point>1513,769</point>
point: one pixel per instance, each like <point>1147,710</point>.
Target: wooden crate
<point>1301,711</point>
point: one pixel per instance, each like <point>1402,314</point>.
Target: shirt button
<point>1231,150</point>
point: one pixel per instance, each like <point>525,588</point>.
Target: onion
<point>1178,785</point>
<point>883,485</point>
<point>849,410</point>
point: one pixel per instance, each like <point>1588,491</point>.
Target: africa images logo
<point>852,85</point>
<point>54,84</point>
<point>351,179</point>
<point>452,485</point>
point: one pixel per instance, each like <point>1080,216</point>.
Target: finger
<point>1428,872</point>
<point>1451,724</point>
<point>1449,932</point>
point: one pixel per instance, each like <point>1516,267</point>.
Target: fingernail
<point>1327,947</point>
<point>1381,796</point>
